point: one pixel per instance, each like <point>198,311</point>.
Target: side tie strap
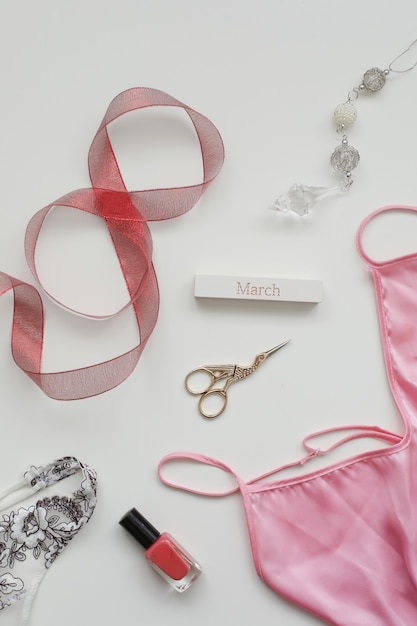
<point>355,432</point>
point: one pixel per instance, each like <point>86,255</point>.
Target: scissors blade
<point>261,358</point>
<point>268,353</point>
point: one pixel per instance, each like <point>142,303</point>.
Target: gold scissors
<point>213,381</point>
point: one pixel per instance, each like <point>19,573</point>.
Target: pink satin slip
<point>342,541</point>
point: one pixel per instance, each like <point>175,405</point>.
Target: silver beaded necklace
<point>301,198</point>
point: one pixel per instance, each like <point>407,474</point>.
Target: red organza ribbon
<point>126,214</point>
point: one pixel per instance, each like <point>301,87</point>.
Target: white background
<point>268,74</point>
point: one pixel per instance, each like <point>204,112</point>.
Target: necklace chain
<point>345,158</point>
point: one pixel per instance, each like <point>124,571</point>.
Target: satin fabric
<point>342,541</point>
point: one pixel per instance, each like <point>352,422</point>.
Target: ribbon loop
<point>126,214</point>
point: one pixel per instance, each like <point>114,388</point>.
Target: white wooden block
<point>257,288</point>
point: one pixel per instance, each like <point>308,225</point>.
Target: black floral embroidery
<point>41,531</point>
<point>43,477</point>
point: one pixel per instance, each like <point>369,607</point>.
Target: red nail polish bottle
<point>165,555</point>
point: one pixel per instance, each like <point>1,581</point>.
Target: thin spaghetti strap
<point>359,243</point>
<point>357,431</point>
<point>205,460</point>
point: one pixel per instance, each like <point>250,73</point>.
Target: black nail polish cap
<point>139,527</point>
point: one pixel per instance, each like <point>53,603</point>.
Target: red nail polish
<point>165,555</point>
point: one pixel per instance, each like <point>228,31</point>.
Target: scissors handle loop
<point>213,397</point>
<point>199,381</point>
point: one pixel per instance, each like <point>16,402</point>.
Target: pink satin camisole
<point>342,541</point>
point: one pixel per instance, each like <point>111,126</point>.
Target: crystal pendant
<point>301,198</point>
